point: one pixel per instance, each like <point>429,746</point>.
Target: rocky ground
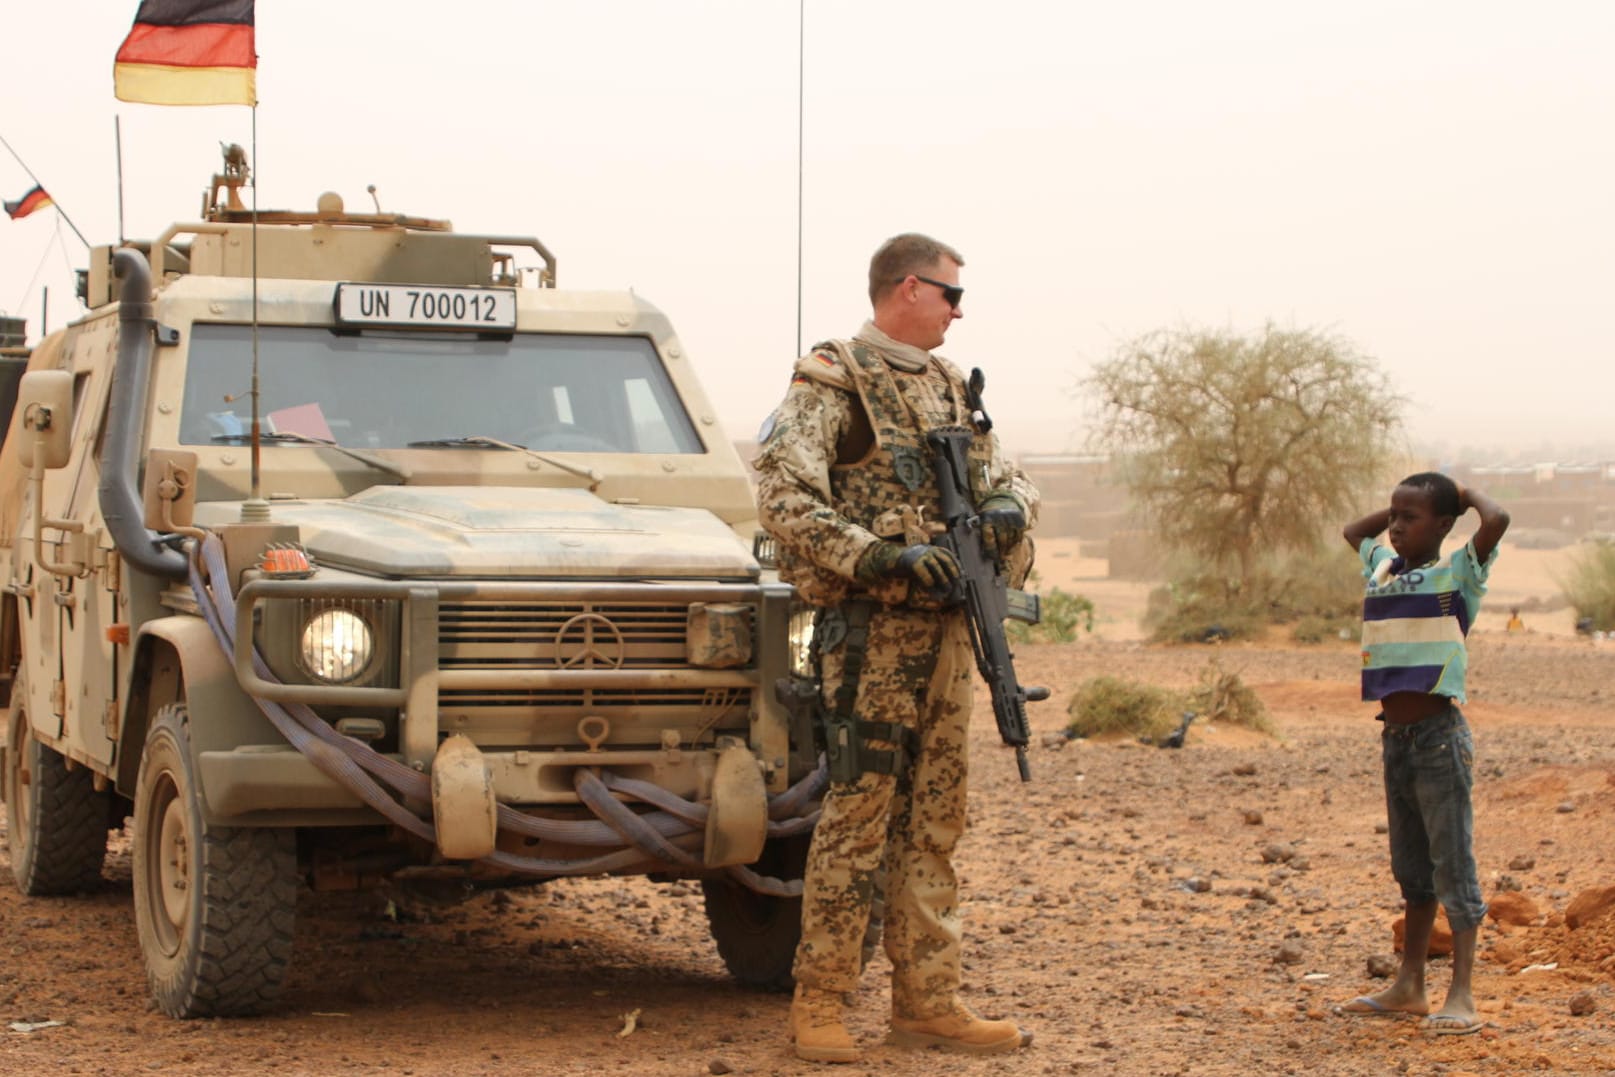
<point>1142,910</point>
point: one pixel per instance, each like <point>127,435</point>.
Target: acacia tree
<point>1238,447</point>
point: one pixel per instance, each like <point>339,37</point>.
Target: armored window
<point>387,389</point>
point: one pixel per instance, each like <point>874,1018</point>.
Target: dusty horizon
<point>1426,181</point>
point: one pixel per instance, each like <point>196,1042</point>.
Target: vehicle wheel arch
<point>177,660</point>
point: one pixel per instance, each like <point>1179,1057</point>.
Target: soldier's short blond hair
<point>902,255</point>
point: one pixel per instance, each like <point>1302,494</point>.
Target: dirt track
<point>1081,919</point>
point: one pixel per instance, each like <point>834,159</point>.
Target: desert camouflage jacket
<point>843,462</point>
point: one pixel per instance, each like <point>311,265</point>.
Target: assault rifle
<point>986,595</point>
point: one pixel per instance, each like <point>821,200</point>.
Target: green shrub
<point>1590,586</point>
<point>1201,607</point>
<point>1064,617</point>
<point>1112,705</point>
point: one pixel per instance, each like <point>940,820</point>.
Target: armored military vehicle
<point>343,549</point>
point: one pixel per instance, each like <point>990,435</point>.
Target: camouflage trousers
<point>916,672</point>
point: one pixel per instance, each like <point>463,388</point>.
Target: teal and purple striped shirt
<point>1415,620</point>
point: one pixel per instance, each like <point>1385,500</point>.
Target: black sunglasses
<point>952,294</point>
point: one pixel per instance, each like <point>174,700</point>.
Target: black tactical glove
<point>1002,524</point>
<point>931,567</point>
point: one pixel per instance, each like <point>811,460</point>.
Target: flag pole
<point>54,204</point>
<point>117,143</point>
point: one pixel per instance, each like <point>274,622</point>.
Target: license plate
<point>413,304</point>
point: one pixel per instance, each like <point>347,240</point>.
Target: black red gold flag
<point>189,52</point>
<point>36,198</point>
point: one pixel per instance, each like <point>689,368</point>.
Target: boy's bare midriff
<point>1405,708</point>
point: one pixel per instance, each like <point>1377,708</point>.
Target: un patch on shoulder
<point>766,431</point>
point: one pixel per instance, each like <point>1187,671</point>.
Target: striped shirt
<point>1415,620</point>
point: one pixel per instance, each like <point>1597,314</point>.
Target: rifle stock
<point>985,592</point>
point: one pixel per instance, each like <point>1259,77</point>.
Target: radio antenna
<point>255,509</point>
<point>801,26</point>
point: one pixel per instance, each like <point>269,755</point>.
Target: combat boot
<point>817,1028</point>
<point>958,1029</point>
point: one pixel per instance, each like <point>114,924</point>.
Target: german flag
<point>189,52</point>
<point>34,199</point>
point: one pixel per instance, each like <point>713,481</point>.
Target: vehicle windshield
<point>554,392</point>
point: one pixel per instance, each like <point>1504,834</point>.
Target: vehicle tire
<point>57,821</point>
<point>757,934</point>
<point>214,906</point>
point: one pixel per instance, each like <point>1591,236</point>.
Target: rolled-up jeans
<point>1429,773</point>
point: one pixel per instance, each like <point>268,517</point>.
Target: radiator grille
<point>488,635</point>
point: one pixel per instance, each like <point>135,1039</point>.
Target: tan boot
<point>958,1030</point>
<point>817,1028</point>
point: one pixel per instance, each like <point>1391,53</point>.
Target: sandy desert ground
<point>1143,911</point>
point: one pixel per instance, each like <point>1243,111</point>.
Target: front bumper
<point>256,779</point>
<point>521,777</point>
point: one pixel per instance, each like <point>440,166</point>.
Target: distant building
<point>1082,498</point>
<point>1571,498</point>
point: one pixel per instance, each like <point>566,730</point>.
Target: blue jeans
<point>1429,772</point>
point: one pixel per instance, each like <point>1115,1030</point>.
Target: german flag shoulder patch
<point>825,368</point>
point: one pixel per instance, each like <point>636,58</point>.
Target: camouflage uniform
<point>844,465</point>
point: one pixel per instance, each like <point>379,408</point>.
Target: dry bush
<point>1326,583</point>
<point>1112,705</point>
<point>1152,714</point>
<point>1590,587</point>
<point>1224,697</point>
<point>1202,609</point>
<point>1320,590</point>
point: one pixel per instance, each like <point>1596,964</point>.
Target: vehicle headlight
<point>336,646</point>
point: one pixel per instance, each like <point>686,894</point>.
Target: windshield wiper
<point>482,441</point>
<point>291,437</point>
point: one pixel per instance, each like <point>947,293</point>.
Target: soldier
<point>846,487</point>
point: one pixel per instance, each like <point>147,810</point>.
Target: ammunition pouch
<point>851,756</point>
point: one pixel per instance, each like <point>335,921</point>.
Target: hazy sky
<point>1435,181</point>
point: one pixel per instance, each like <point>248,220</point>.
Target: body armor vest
<point>892,492</point>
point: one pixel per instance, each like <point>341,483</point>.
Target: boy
<point>1417,609</point>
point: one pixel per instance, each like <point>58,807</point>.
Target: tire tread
<point>238,944</point>
<point>68,845</point>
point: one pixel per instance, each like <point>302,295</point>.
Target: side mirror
<point>169,491</point>
<point>45,404</point>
